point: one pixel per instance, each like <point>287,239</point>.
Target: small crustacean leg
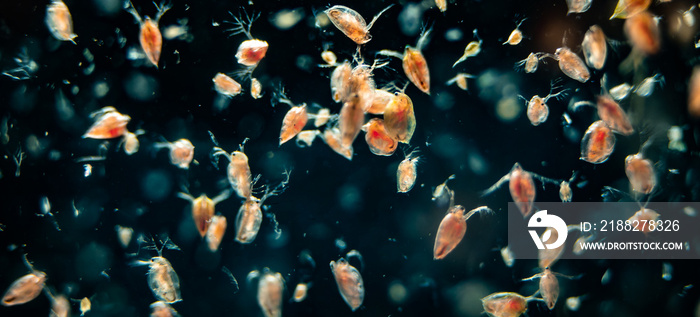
<point>164,7</point>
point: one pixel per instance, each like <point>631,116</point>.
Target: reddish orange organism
<point>350,121</point>
<point>162,309</point>
<point>351,23</point>
<point>215,232</point>
<point>252,50</point>
<point>226,86</point>
<point>339,80</point>
<point>25,288</point>
<point>203,209</point>
<point>521,186</point>
<point>595,47</point>
<point>549,286</point>
<point>640,172</point>
<point>109,124</point>
<point>332,137</point>
<point>694,93</point>
<point>378,140</point>
<point>646,218</point>
<point>516,36</point>
<point>644,33</point>
<point>572,65</point>
<point>294,121</point>
<point>238,170</point>
<point>626,9</point>
<point>506,304</point>
<point>614,117</point>
<point>598,143</point>
<point>350,283</point>
<point>270,291</point>
<point>59,21</point>
<point>407,172</point>
<point>150,37</point>
<point>181,152</point>
<point>399,118</point>
<point>381,99</point>
<point>414,64</point>
<point>452,229</point>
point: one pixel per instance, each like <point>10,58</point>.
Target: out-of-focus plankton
<point>516,36</point>
<point>60,306</point>
<point>407,172</point>
<point>306,138</point>
<point>215,232</point>
<point>452,229</point>
<point>626,9</point>
<point>332,137</point>
<point>59,21</point>
<point>443,192</point>
<point>349,280</point>
<point>414,64</point>
<point>565,193</point>
<point>537,109</point>
<point>643,32</point>
<point>203,209</point>
<point>130,141</point>
<point>620,91</point>
<point>506,304</point>
<point>614,117</point>
<point>399,118</point>
<point>694,93</point>
<point>640,172</point>
<point>25,288</point>
<point>226,86</point>
<point>270,291</point>
<point>578,6</point>
<point>339,79</point>
<point>530,63</point>
<point>646,87</point>
<point>351,23</point>
<point>181,152</point>
<point>109,124</point>
<point>162,278</point>
<point>644,217</point>
<point>461,81</point>
<point>238,170</point>
<point>162,309</point>
<point>255,88</point>
<point>598,143</point>
<point>252,50</point>
<point>150,37</point>
<point>300,292</point>
<point>350,120</point>
<point>441,4</point>
<point>377,138</point>
<point>595,48</point>
<point>472,49</point>
<point>329,57</point>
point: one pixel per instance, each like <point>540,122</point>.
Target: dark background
<point>328,197</point>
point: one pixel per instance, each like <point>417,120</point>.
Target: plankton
<point>626,9</point>
<point>181,152</point>
<point>614,117</point>
<point>251,51</point>
<point>595,48</point>
<point>226,86</point>
<point>59,21</point>
<point>414,64</point>
<point>238,170</point>
<point>215,232</point>
<point>461,81</point>
<point>578,6</point>
<point>516,36</point>
<point>399,118</point>
<point>640,172</point>
<point>549,286</point>
<point>537,109</point>
<point>572,65</point>
<point>598,143</point>
<point>250,215</point>
<point>530,63</point>
<point>506,304</point>
<point>150,37</point>
<point>203,209</point>
<point>349,280</point>
<point>472,49</point>
<point>378,139</point>
<point>407,172</point>
<point>270,291</point>
<point>109,124</point>
<point>162,279</point>
<point>25,288</point>
<point>332,137</point>
<point>521,186</point>
<point>643,32</point>
<point>452,229</point>
<point>351,23</point>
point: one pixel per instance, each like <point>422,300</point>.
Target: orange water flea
<point>572,65</point>
<point>516,36</point>
<point>203,209</point>
<point>251,51</point>
<point>25,288</point>
<point>131,142</point>
<point>339,80</point>
<point>646,218</point>
<point>350,121</point>
<point>226,86</point>
<point>238,170</point>
<point>270,292</point>
<point>472,49</point>
<point>215,232</point>
<point>521,186</point>
<point>381,99</point>
<point>595,48</point>
<point>549,287</point>
<point>307,137</point>
<point>60,21</point>
<point>461,81</point>
<point>407,172</point>
<point>537,109</point>
<point>332,138</point>
<point>248,220</point>
<point>614,117</point>
<point>505,304</point>
<point>181,152</point>
<point>293,122</point>
<point>351,23</point>
<point>349,281</point>
<point>530,63</point>
<point>640,172</point>
<point>378,140</point>
<point>109,124</point>
<point>150,37</point>
<point>598,143</point>
<point>643,32</point>
<point>255,88</point>
<point>399,118</point>
<point>694,93</point>
<point>452,229</point>
<point>414,64</point>
<point>626,9</point>
<point>300,292</point>
<point>163,280</point>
